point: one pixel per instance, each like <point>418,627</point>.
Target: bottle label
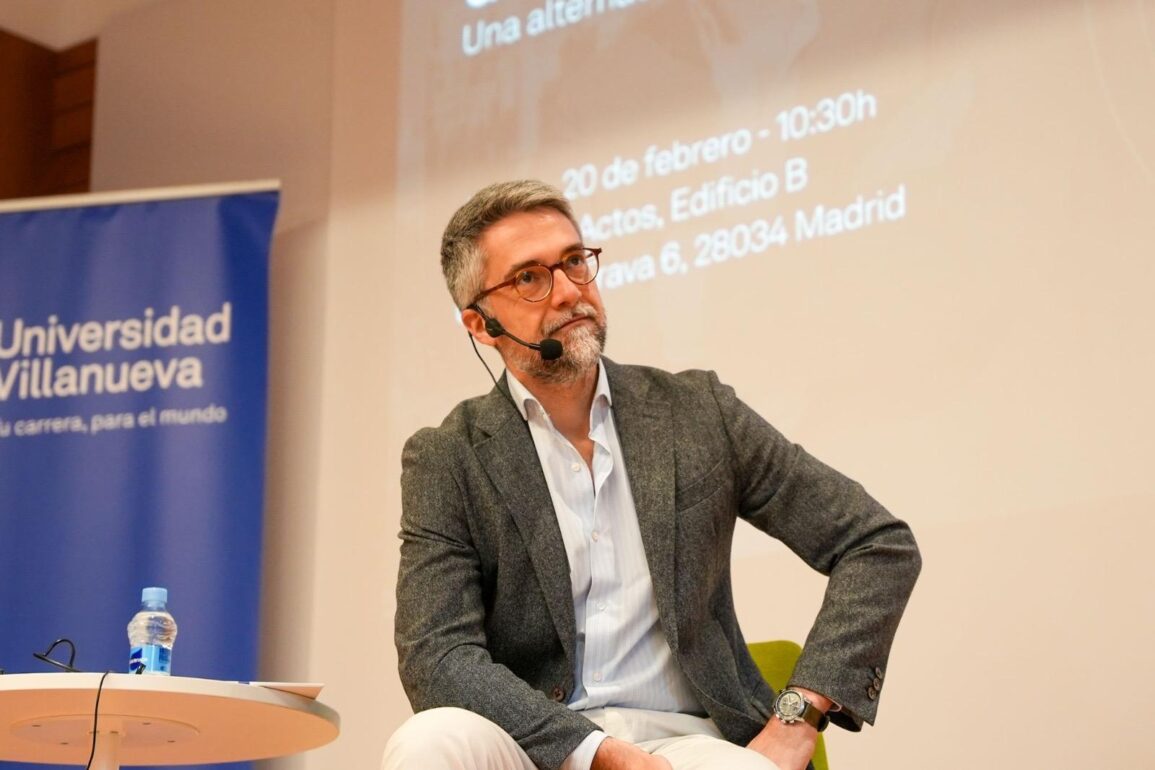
<point>150,659</point>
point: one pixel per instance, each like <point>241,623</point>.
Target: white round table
<point>154,720</point>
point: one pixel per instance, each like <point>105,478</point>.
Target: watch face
<point>789,705</point>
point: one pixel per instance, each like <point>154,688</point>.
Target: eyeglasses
<point>533,283</point>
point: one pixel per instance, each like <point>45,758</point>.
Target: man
<point>564,593</point>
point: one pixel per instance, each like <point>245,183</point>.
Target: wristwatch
<point>791,706</point>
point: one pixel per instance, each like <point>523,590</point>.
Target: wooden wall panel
<point>72,127</point>
<point>46,109</point>
<point>27,71</point>
<point>73,88</point>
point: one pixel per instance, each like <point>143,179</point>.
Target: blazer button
<point>558,694</point>
<point>877,683</point>
<point>871,693</point>
<point>878,672</point>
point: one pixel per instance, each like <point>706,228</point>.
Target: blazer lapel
<point>645,430</point>
<point>511,461</point>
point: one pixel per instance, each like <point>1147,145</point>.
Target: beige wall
<point>1026,642</point>
<point>59,24</point>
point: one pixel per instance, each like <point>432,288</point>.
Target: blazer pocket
<point>696,490</point>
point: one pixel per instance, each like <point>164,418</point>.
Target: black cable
<point>46,656</point>
<point>504,391</point>
<point>95,720</point>
<point>482,360</point>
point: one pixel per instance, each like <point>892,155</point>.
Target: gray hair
<point>462,259</point>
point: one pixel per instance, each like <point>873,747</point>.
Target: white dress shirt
<point>622,657</point>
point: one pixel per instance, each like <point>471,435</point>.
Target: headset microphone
<point>549,349</point>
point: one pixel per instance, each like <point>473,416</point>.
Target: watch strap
<point>815,717</point>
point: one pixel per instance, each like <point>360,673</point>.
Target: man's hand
<point>790,746</point>
<point>613,754</point>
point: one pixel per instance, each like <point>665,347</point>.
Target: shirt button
<point>595,536</point>
<point>576,467</point>
<point>601,605</point>
<point>598,676</point>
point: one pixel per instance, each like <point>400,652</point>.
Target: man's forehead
<point>525,237</point>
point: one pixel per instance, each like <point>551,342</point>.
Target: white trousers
<point>455,739</point>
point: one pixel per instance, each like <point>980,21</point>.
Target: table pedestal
<point>106,751</point>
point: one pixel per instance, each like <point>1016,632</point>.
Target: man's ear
<point>475,325</point>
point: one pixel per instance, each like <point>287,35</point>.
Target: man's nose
<point>565,291</point>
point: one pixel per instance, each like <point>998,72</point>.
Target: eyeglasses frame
<point>596,253</point>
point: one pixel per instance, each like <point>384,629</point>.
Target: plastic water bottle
<point>151,633</point>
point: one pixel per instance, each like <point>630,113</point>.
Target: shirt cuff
<point>582,757</point>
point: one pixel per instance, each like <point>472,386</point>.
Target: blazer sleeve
<point>440,618</point>
<point>869,556</point>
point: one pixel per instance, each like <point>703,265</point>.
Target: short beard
<point>581,351</point>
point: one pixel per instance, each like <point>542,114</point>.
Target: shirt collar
<point>522,398</point>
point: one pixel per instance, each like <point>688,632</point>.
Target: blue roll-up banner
<point>133,369</point>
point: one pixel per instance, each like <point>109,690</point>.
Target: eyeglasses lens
<point>535,282</point>
<point>581,268</point>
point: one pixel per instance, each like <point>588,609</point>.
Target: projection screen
<point>912,234</point>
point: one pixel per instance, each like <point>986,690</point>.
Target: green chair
<point>776,662</point>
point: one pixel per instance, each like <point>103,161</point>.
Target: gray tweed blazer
<point>485,617</point>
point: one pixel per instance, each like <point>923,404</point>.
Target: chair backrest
<point>776,662</point>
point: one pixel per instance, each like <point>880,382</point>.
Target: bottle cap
<point>154,594</point>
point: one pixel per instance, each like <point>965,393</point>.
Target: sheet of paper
<point>305,689</point>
